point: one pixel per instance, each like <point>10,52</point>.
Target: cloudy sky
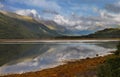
<point>73,14</point>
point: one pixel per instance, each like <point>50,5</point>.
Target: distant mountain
<point>106,33</point>
<point>53,26</point>
<point>13,26</point>
<point>102,34</point>
<point>63,30</point>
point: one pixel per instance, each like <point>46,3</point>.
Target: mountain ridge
<point>18,27</point>
<point>13,26</point>
<point>106,33</point>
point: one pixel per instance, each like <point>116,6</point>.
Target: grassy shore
<point>82,68</point>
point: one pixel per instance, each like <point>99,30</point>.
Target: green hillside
<point>14,26</point>
<point>106,33</point>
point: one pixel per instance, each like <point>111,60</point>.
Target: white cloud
<point>61,20</point>
<point>104,20</point>
<point>29,12</point>
<point>113,17</point>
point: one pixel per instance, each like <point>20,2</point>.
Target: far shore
<point>80,68</point>
<point>56,40</point>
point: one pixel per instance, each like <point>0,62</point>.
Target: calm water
<point>26,57</point>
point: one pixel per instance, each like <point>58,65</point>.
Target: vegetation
<point>106,33</point>
<point>118,50</point>
<point>20,28</point>
<point>111,67</point>
<point>13,26</point>
<point>110,33</point>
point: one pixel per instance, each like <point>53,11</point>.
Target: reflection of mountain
<point>111,44</point>
<point>13,52</point>
<point>30,57</point>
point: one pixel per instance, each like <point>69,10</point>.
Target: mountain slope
<point>13,26</point>
<point>106,33</point>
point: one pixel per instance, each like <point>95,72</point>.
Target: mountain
<point>63,30</point>
<point>53,26</point>
<point>13,26</point>
<point>101,34</point>
<point>106,33</point>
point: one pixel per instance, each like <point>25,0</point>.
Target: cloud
<point>70,24</point>
<point>1,5</point>
<point>45,4</point>
<point>110,16</point>
<point>115,8</point>
<point>28,12</point>
<point>104,20</point>
<point>50,12</point>
<point>61,20</point>
<point>79,16</point>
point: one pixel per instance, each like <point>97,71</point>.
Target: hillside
<point>106,33</point>
<point>13,26</point>
<point>109,33</point>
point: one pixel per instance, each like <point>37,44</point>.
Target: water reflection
<point>19,58</point>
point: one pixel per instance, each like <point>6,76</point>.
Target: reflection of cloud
<point>54,56</point>
<point>51,50</point>
<point>78,49</point>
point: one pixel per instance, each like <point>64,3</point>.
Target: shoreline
<point>52,40</point>
<point>77,68</point>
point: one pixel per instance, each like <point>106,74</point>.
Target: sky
<point>73,14</point>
